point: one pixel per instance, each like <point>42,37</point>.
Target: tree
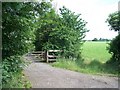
<point>95,39</point>
<point>114,21</point>
<point>114,46</point>
<point>18,27</point>
<point>19,22</point>
<point>47,24</point>
<point>73,31</point>
<point>17,37</point>
<point>64,32</point>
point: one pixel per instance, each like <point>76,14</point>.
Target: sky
<point>95,12</point>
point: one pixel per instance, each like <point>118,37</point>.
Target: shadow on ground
<point>97,66</point>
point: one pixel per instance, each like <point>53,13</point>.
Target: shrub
<point>114,49</point>
<point>10,66</point>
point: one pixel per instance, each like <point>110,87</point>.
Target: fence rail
<point>45,55</point>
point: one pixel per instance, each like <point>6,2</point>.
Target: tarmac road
<point>42,75</point>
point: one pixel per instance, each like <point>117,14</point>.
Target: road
<point>42,75</point>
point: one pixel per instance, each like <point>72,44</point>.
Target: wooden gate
<point>46,55</point>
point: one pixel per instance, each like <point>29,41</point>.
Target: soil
<point>43,75</point>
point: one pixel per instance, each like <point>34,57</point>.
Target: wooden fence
<point>40,54</point>
<point>47,55</point>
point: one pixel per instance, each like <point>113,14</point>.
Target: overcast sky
<point>95,12</point>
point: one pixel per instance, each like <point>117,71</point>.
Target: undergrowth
<point>94,67</point>
<point>18,81</point>
<point>12,73</point>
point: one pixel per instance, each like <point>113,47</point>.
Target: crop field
<point>94,57</point>
<point>95,51</point>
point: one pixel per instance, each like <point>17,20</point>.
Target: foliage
<point>114,49</point>
<point>18,81</point>
<point>73,28</point>
<point>47,24</point>
<point>11,65</point>
<point>26,24</point>
<point>94,67</point>
<point>103,39</point>
<point>18,28</point>
<point>114,21</point>
<point>95,39</point>
<point>64,32</point>
<point>94,56</point>
<point>17,37</point>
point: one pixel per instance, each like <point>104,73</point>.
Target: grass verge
<point>95,56</point>
<point>18,81</point>
<point>94,67</point>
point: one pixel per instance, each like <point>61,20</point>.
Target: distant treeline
<point>100,39</point>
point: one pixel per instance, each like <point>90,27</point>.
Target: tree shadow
<point>97,66</point>
<point>113,65</point>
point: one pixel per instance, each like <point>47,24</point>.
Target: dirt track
<point>42,75</point>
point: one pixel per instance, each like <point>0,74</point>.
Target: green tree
<point>95,39</point>
<point>114,48</point>
<point>64,32</point>
<point>18,28</point>
<point>19,23</point>
<point>114,21</point>
<point>17,37</point>
<point>47,24</point>
<point>73,31</point>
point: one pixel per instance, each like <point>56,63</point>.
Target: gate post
<point>46,56</point>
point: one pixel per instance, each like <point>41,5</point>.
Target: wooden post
<point>46,56</point>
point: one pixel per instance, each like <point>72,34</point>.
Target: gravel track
<point>42,75</point>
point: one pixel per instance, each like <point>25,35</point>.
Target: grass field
<point>95,51</point>
<point>94,56</point>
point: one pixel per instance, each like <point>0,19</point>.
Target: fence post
<point>46,56</point>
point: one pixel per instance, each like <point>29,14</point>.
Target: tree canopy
<point>64,32</point>
<point>18,28</point>
<point>114,48</point>
<point>29,25</point>
<point>114,21</point>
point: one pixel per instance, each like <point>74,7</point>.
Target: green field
<point>94,57</point>
<point>95,51</point>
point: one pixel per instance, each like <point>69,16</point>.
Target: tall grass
<point>94,57</point>
<point>95,67</point>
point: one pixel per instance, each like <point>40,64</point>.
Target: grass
<point>95,51</point>
<point>94,57</point>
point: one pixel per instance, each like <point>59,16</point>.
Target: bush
<point>114,49</point>
<point>17,37</point>
<point>10,66</point>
